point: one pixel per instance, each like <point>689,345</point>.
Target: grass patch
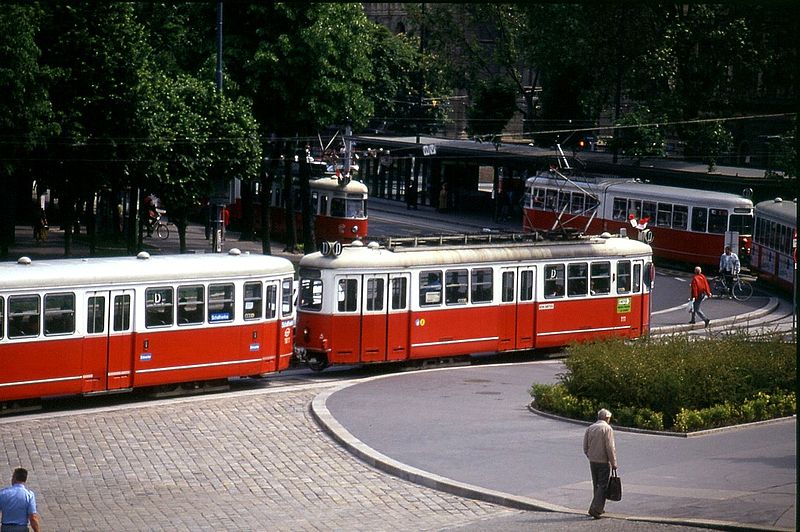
<point>679,383</point>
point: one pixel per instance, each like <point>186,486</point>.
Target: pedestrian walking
<point>18,505</point>
<point>700,291</point>
<point>443,198</point>
<point>729,267</point>
<point>599,448</point>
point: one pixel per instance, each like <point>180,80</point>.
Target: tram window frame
<point>554,281</point>
<point>537,199</point>
<point>122,312</point>
<point>717,221</point>
<point>347,295</point>
<point>287,297</point>
<point>634,208</point>
<point>680,216</point>
<point>600,282</point>
<point>664,215</point>
<point>158,309</point>
<point>507,280</point>
<point>375,294</point>
<point>619,209</point>
<point>20,323</point>
<point>624,277</point>
<point>2,317</point>
<point>577,279</point>
<point>564,200</point>
<point>59,319</point>
<point>592,203</point>
<point>311,294</point>
<point>191,305</point>
<point>430,288</point>
<point>95,314</point>
<point>481,285</point>
<point>526,284</point>
<point>456,286</point>
<point>550,199</point>
<point>699,219</point>
<point>271,301</point>
<point>399,290</point>
<point>221,302</point>
<point>252,300</point>
<point>649,209</point>
<point>577,203</point>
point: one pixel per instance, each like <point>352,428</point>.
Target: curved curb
<point>770,306</point>
<point>378,460</point>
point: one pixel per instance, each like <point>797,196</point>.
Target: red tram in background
<point>774,252</point>
<point>107,325</point>
<point>681,224</point>
<point>421,298</point>
<point>339,205</point>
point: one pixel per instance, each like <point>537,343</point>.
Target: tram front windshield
<point>743,224</point>
<point>348,208</point>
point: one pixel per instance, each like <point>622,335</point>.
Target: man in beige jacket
<point>599,448</point>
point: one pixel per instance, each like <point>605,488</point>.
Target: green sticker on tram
<point>623,305</point>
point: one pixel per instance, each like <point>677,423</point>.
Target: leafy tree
<point>25,112</point>
<point>493,104</point>
<point>640,134</point>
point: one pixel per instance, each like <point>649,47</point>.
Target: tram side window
<point>220,302</point>
<point>623,277</point>
<point>577,283</point>
<point>158,307</point>
<point>619,210</point>
<point>591,203</point>
<point>634,208</point>
<point>576,206</point>
<point>95,319</point>
<point>680,216</point>
<point>537,198</point>
<point>649,210</point>
<point>526,285</point>
<point>456,287</point>
<point>191,304</point>
<point>699,219</point>
<point>717,221</point>
<point>507,287</point>
<point>563,200</point>
<point>553,281</point>
<point>59,314</point>
<point>399,293</point>
<point>311,294</point>
<point>637,278</point>
<point>430,288</point>
<point>482,286</point>
<point>550,199</point>
<point>600,278</point>
<point>23,316</point>
<point>347,295</point>
<point>375,294</point>
<point>287,296</point>
<point>338,207</point>
<point>272,301</point>
<point>664,216</point>
<point>253,301</point>
<point>122,312</point>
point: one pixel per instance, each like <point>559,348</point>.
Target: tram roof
<point>779,210</point>
<point>349,186</point>
<point>641,190</point>
<point>357,256</point>
<point>119,271</point>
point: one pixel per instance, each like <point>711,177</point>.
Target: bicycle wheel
<point>742,290</point>
<point>718,288</point>
<point>162,231</point>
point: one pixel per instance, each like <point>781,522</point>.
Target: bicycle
<point>156,226</point>
<point>741,290</point>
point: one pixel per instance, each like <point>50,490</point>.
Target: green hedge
<point>679,383</point>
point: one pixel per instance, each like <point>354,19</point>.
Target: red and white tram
<point>104,325</point>
<point>339,205</point>
<point>775,242</point>
<point>375,303</point>
<point>685,225</point>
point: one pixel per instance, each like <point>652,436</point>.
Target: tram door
<point>525,307</point>
<point>374,318</point>
<point>108,348</point>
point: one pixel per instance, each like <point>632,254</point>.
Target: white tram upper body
<point>375,303</point>
<point>775,242</point>
<point>88,326</point>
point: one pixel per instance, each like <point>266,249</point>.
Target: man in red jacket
<point>700,291</point>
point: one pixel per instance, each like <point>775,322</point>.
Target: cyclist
<point>729,268</point>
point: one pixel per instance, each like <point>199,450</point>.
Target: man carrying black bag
<point>599,448</point>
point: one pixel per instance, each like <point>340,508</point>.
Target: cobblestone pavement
<point>230,462</point>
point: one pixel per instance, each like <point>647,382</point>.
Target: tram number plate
<point>623,305</point>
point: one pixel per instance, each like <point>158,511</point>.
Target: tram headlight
<point>354,229</point>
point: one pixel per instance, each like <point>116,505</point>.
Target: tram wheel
<point>318,362</point>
